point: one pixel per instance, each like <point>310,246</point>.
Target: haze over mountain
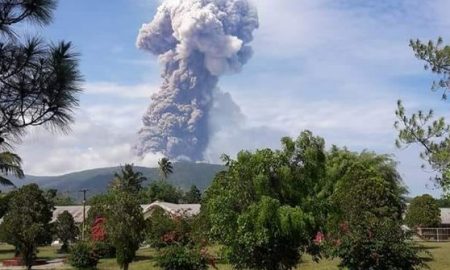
<point>184,175</point>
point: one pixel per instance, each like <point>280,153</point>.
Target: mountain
<point>184,175</point>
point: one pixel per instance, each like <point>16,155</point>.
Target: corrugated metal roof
<point>173,209</point>
<point>76,211</point>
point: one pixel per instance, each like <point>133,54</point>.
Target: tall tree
<point>38,81</point>
<point>266,207</point>
<point>125,227</point>
<point>422,127</point>
<point>364,230</point>
<point>193,195</point>
<point>165,168</point>
<point>128,180</point>
<point>65,230</point>
<point>26,225</point>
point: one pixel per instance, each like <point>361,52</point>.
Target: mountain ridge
<point>185,174</point>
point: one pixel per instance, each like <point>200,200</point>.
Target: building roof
<point>173,209</point>
<point>445,216</point>
<point>76,211</point>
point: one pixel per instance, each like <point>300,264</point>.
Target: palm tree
<point>165,167</point>
<point>128,180</point>
<point>10,163</point>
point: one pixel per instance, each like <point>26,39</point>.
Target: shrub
<point>104,249</point>
<point>182,257</point>
<point>82,256</point>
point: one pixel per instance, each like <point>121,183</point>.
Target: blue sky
<point>334,67</point>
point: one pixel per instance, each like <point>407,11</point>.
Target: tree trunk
<point>125,266</point>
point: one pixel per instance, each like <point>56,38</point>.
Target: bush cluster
<point>83,256</point>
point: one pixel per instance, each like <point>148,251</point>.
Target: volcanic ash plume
<point>197,41</point>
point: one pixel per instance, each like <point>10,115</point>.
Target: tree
<point>10,163</point>
<point>26,224</point>
<point>364,230</point>
<point>193,195</point>
<point>165,167</point>
<point>161,191</point>
<point>57,198</point>
<point>65,230</point>
<point>125,227</point>
<point>265,209</point>
<point>422,127</point>
<point>39,82</point>
<point>423,211</point>
<point>128,180</point>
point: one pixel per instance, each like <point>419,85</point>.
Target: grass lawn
<point>145,259</point>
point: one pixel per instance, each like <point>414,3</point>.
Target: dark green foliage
<point>364,230</point>
<point>125,227</point>
<point>423,211</point>
<point>379,246</point>
<point>82,256</point>
<point>161,191</point>
<point>128,180</point>
<point>104,249</point>
<point>179,244</point>
<point>165,168</point>
<point>4,203</point>
<point>65,230</point>
<point>26,224</point>
<point>58,199</point>
<point>158,225</point>
<point>422,127</point>
<point>39,82</point>
<point>443,202</point>
<point>193,195</point>
<point>265,209</point>
<point>10,163</point>
<point>177,257</point>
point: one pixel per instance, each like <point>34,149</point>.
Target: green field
<point>145,259</point>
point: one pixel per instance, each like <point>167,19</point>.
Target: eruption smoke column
<point>196,41</point>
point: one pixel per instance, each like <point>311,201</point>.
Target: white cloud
<point>119,90</point>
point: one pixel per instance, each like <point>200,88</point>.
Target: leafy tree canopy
<point>161,191</point>
<point>193,195</point>
<point>364,228</point>
<point>125,227</point>
<point>423,211</point>
<point>65,230</point>
<point>128,180</point>
<point>265,209</point>
<point>26,224</point>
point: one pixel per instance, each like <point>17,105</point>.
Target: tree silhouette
<point>38,81</point>
<point>10,163</point>
<point>165,167</point>
<point>128,180</point>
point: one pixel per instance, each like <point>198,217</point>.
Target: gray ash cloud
<point>196,41</point>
